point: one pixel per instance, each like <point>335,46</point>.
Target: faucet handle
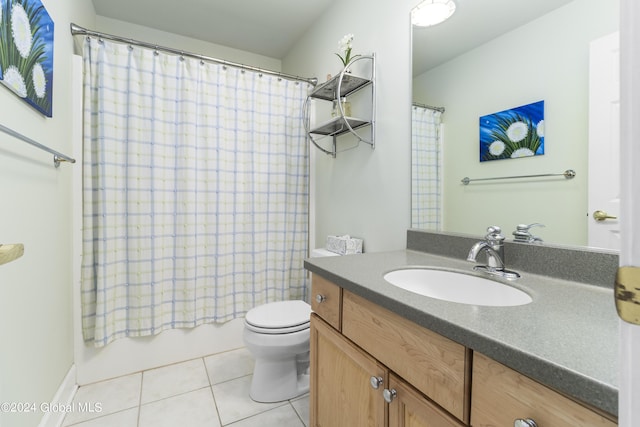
<point>494,234</point>
<point>522,233</point>
<point>525,227</point>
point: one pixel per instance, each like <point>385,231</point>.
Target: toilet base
<point>278,380</point>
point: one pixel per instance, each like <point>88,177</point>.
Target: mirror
<point>495,55</point>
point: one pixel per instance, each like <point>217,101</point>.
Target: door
<point>409,408</point>
<point>341,382</point>
<point>604,142</point>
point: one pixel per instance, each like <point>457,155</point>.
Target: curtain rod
<point>78,30</point>
<point>417,104</point>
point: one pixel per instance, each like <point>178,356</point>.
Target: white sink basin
<point>457,287</point>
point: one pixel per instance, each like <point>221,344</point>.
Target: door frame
<point>629,373</point>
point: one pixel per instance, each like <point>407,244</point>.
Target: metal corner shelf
<point>350,84</point>
<point>343,85</point>
<point>338,126</point>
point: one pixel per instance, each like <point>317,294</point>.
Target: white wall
<point>162,38</point>
<point>36,290</point>
<point>544,60</point>
<point>364,192</point>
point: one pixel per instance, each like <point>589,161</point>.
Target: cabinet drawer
<point>433,364</point>
<point>501,395</point>
<point>326,300</point>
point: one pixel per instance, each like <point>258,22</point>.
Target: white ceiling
<point>272,27</point>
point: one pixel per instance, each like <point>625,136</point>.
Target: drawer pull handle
<point>320,298</point>
<point>376,382</point>
<point>524,422</point>
<point>389,395</point>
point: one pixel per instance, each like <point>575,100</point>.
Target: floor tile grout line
<point>213,395</point>
<point>295,411</point>
<point>284,403</point>
<point>140,398</point>
<point>81,422</point>
<point>174,395</point>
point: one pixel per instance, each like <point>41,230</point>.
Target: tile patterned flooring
<point>212,391</point>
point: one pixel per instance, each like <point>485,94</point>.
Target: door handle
<point>602,215</point>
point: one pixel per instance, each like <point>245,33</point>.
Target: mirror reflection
<point>492,56</point>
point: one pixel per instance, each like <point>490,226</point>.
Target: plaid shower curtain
<point>426,179</point>
<point>195,191</point>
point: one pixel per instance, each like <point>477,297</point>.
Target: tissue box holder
<point>344,245</point>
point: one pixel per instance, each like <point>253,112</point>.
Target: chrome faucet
<point>493,246</point>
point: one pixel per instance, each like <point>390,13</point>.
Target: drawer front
<point>433,364</point>
<point>501,395</point>
<point>326,300</point>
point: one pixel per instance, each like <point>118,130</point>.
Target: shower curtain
<point>195,191</point>
<point>426,179</point>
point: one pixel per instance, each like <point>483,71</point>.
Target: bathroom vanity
<point>382,356</point>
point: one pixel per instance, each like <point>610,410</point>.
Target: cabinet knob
<point>320,298</point>
<point>524,422</point>
<point>376,382</point>
<point>389,395</point>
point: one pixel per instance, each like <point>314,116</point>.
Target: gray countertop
<point>567,338</point>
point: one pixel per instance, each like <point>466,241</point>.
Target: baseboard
<point>64,396</point>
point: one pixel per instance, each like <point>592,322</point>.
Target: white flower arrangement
<point>345,44</point>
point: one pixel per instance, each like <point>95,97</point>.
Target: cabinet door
<point>409,408</point>
<point>341,394</point>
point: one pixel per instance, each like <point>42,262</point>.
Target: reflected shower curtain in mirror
<point>195,191</point>
<point>426,179</point>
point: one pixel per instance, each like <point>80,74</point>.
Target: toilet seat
<point>282,317</point>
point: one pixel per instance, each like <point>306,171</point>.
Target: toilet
<point>277,336</point>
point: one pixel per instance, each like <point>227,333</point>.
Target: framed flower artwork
<point>513,133</point>
<point>26,52</point>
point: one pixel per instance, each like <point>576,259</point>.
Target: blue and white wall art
<point>513,133</point>
<point>26,52</point>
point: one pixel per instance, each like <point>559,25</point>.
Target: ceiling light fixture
<point>432,12</point>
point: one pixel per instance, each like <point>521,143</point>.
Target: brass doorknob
<point>602,215</point>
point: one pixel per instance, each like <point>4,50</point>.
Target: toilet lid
<point>279,317</point>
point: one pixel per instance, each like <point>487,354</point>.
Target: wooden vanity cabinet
<point>424,378</point>
<point>501,395</point>
<point>363,344</point>
<point>342,391</point>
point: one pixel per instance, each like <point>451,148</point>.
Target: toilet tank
<point>322,252</point>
